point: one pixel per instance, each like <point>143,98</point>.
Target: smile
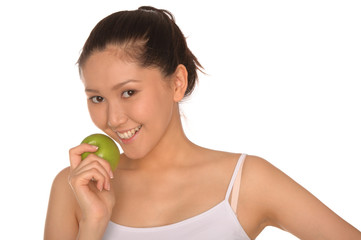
<point>128,134</point>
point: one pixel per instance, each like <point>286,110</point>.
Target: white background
<point>283,83</point>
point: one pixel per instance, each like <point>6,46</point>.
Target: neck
<point>173,148</point>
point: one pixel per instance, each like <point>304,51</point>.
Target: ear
<point>180,82</point>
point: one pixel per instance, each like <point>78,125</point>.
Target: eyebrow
<point>115,87</point>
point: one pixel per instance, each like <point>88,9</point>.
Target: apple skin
<point>107,148</point>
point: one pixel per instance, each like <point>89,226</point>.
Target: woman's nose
<point>116,116</point>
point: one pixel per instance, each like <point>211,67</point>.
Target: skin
<point>160,162</point>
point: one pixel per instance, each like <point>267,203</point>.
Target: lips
<point>129,134</point>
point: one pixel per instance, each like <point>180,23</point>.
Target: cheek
<point>97,116</point>
<point>152,108</point>
<point>159,108</point>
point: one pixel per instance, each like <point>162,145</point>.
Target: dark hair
<point>148,35</point>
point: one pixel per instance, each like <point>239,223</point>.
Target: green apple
<point>107,148</point>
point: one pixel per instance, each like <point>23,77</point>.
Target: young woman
<point>136,68</point>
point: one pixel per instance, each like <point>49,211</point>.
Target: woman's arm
<point>81,199</point>
<point>287,205</point>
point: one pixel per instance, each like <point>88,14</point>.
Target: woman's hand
<point>90,180</point>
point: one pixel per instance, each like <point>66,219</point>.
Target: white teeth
<point>129,134</point>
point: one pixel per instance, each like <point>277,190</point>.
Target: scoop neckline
<point>171,225</point>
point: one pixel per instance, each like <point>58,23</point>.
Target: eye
<point>97,99</point>
<point>128,93</point>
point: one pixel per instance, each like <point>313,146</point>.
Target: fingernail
<point>111,175</point>
<point>95,147</point>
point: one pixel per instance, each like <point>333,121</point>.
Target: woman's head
<point>147,36</point>
<point>136,67</point>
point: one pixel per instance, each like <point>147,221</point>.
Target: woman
<point>136,68</point>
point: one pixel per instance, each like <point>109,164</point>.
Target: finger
<point>84,177</point>
<point>102,161</point>
<point>95,162</point>
<point>76,152</point>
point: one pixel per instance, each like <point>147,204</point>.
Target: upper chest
<point>160,198</point>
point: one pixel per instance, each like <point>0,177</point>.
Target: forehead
<point>109,67</point>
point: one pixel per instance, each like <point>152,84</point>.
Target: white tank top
<point>219,222</point>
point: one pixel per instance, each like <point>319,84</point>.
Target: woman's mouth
<point>128,134</point>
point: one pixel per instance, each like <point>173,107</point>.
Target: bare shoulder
<point>259,164</point>
<point>265,187</point>
<point>62,187</point>
<point>271,198</point>
<point>259,170</point>
<point>61,179</point>
<point>219,157</point>
<point>61,219</point>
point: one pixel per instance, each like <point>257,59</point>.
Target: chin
<point>134,155</point>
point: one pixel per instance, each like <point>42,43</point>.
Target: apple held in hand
<point>107,149</point>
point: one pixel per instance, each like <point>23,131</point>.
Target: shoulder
<point>262,192</point>
<point>61,186</point>
<point>260,168</point>
<point>253,166</point>
<point>263,188</point>
<point>62,207</point>
<point>260,171</point>
<point>261,179</point>
<point>279,201</point>
<point>61,192</point>
<point>258,176</point>
<point>62,177</point>
<point>62,189</point>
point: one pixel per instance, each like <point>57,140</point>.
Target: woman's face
<point>132,104</point>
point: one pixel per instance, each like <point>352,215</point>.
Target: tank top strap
<point>236,174</point>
